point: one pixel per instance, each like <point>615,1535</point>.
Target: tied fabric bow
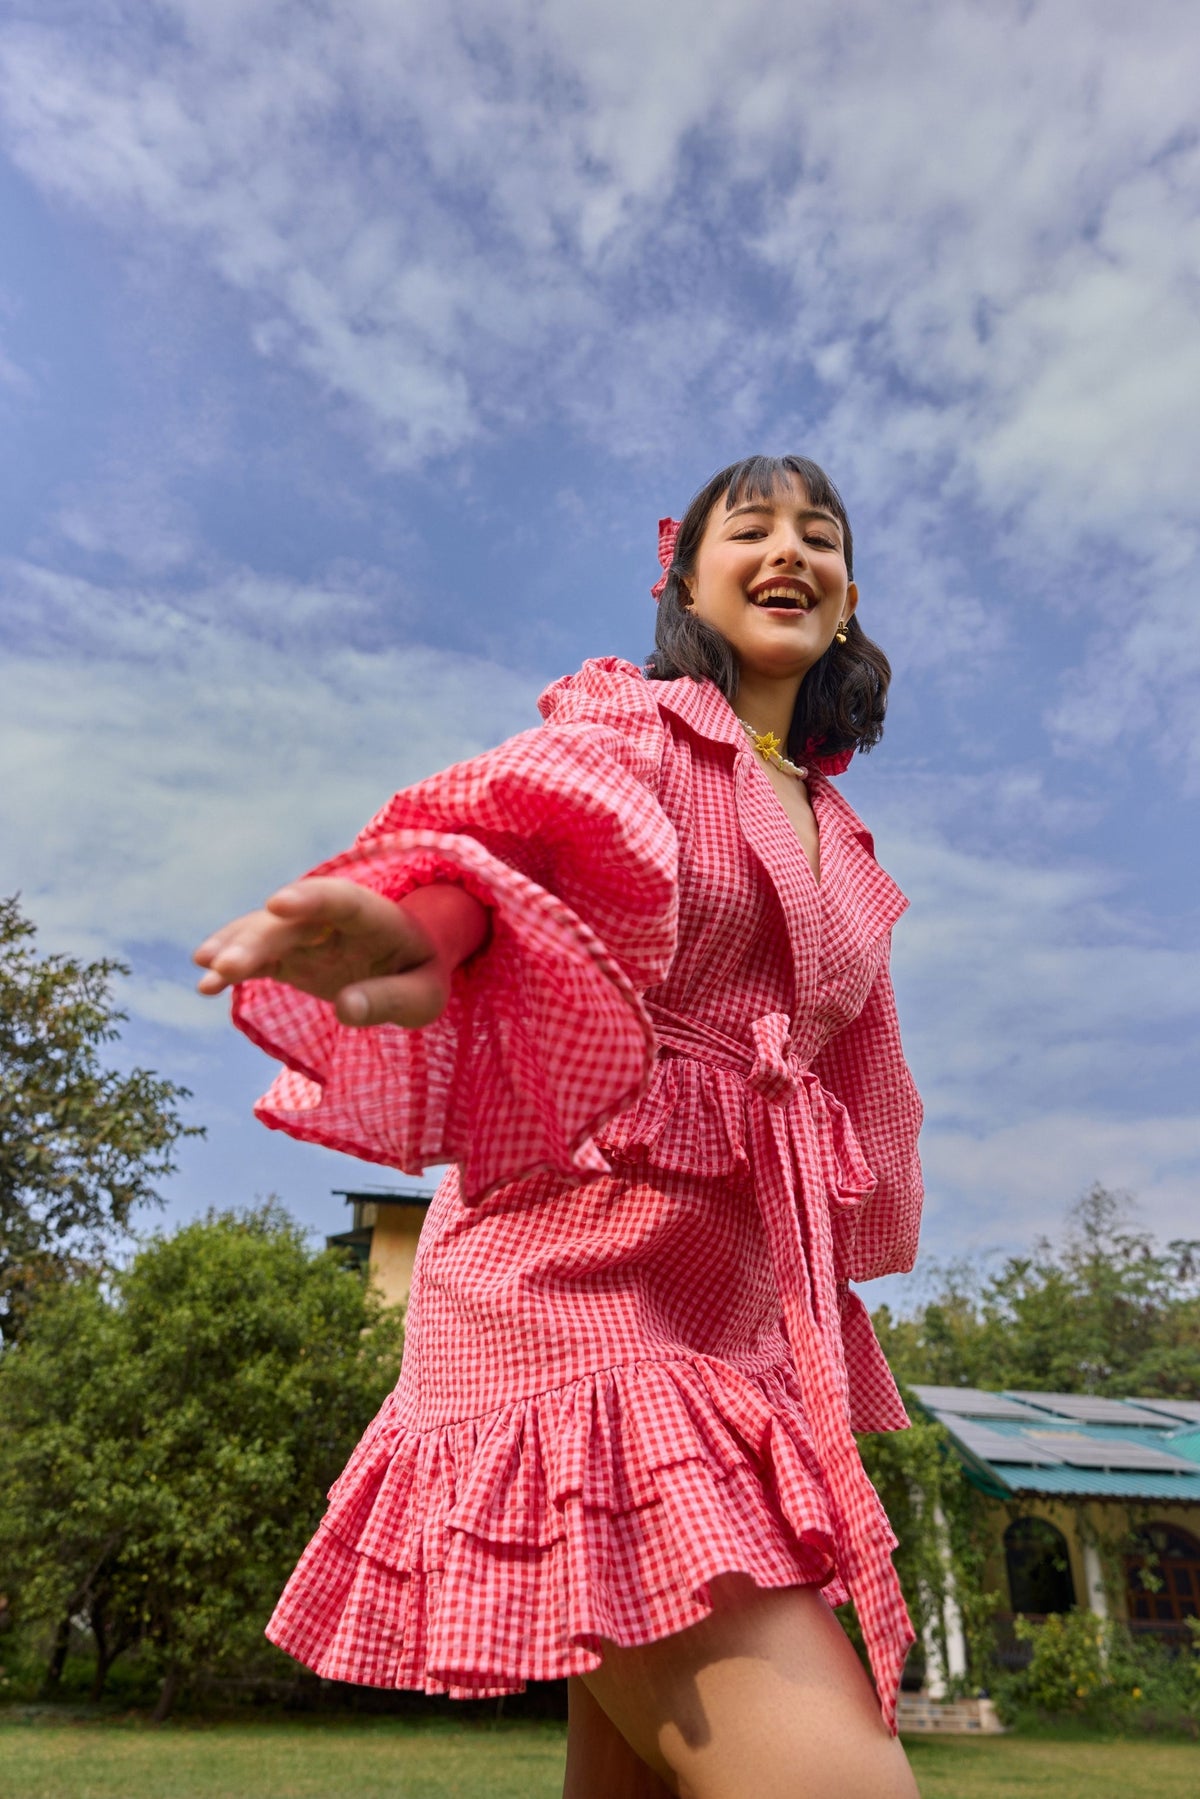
<point>668,532</point>
<point>837,761</point>
<point>809,1170</point>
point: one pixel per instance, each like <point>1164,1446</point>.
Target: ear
<point>851,600</point>
<point>686,596</point>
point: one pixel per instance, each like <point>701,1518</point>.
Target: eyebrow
<point>768,506</point>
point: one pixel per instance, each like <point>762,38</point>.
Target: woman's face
<point>770,576</point>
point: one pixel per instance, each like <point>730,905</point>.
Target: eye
<point>823,543</point>
<point>749,531</point>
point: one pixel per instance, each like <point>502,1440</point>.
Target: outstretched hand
<point>376,961</point>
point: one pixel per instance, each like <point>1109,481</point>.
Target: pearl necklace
<point>771,750</point>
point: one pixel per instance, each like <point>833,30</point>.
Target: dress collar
<point>703,708</point>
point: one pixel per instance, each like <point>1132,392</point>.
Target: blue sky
<point>350,353</point>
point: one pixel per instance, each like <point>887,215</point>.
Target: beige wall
<point>395,1229</point>
<point>1106,1522</point>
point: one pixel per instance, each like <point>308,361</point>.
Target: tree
<point>81,1145</point>
<point>165,1447</point>
<point>1107,1311</point>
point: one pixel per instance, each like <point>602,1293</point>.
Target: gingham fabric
<point>668,534</point>
<point>673,1088</point>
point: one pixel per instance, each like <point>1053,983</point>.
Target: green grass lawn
<point>1013,1767</point>
<point>380,1759</point>
<point>44,1757</point>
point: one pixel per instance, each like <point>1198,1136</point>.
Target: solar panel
<point>973,1402</point>
<point>1183,1411</point>
<point>1095,1452</point>
<point>1089,1408</point>
<point>998,1446</point>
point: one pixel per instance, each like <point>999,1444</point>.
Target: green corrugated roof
<point>1004,1452</point>
<point>1101,1483</point>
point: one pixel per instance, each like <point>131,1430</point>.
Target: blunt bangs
<point>763,478</point>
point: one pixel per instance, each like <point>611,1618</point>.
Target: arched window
<point>1162,1578</point>
<point>1039,1567</point>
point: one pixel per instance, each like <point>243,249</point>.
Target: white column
<point>941,1668</point>
<point>956,1640</point>
<point>935,1680</point>
<point>1095,1595</point>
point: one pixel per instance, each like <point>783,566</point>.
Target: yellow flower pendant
<point>770,749</point>
<point>767,744</point>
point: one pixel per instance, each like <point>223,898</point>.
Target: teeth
<point>791,595</point>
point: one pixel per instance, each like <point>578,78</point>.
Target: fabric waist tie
<point>805,1159</point>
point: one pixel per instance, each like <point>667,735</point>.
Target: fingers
<point>211,982</point>
<point>303,915</point>
<point>328,937</point>
<point>246,947</point>
<point>412,999</point>
<point>322,900</point>
<point>325,908</point>
<point>324,903</point>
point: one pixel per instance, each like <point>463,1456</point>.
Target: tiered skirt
<point>509,1547</point>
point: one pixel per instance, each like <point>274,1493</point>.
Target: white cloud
<point>128,515</point>
<point>1140,684</point>
<point>162,768</point>
<point>1003,1186</point>
<point>997,248</point>
<point>1026,990</point>
<point>1050,1030</point>
<point>1006,226</point>
<point>174,1004</point>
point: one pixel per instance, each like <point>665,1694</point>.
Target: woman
<point>629,973</point>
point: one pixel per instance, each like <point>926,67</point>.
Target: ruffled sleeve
<point>560,834</point>
<point>864,1067</point>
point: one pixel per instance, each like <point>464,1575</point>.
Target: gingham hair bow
<point>668,531</point>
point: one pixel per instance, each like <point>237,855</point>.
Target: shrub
<point>1100,1673</point>
<point>166,1443</point>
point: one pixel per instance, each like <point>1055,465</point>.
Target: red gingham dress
<point>673,1089</point>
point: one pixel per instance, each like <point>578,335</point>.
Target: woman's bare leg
<point>764,1699</point>
<point>600,1763</point>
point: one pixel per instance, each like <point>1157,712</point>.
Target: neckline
<point>809,787</point>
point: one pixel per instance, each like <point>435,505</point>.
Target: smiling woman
<point>629,973</point>
<point>790,519</point>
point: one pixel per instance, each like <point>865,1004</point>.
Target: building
<point>383,1236</point>
<point>1094,1503</point>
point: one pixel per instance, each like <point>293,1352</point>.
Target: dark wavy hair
<point>842,699</point>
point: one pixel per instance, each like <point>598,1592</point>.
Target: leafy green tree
<point>165,1446</point>
<point>1108,1310</point>
<point>81,1145</point>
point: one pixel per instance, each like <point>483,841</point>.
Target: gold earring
<point>841,634</point>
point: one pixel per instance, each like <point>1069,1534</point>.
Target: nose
<point>789,551</point>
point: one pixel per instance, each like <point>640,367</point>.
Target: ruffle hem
<point>471,1559</point>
